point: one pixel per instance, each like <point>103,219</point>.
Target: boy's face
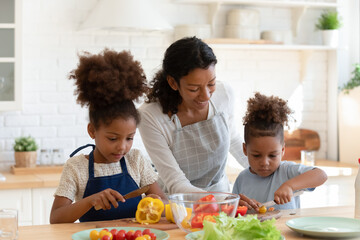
<point>113,141</point>
<point>264,154</point>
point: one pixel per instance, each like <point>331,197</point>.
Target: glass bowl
<point>191,209</point>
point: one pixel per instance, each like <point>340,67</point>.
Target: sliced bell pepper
<point>206,207</point>
<point>197,220</point>
<point>228,209</point>
<point>241,210</point>
<point>149,210</point>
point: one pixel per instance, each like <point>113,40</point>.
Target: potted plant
<point>25,152</point>
<point>348,117</point>
<point>329,22</point>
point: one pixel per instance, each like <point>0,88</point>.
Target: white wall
<point>51,43</point>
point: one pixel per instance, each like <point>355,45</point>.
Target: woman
<point>187,127</point>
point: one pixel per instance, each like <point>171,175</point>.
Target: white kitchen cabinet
<point>42,200</point>
<point>33,204</point>
<point>19,199</point>
<point>10,50</point>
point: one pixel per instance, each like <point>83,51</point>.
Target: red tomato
<point>197,220</point>
<point>114,232</point>
<point>129,235</point>
<point>209,207</point>
<point>137,233</point>
<point>152,235</point>
<point>227,209</point>
<point>106,237</point>
<point>146,231</point>
<point>120,235</point>
<point>241,210</point>
<point>123,231</point>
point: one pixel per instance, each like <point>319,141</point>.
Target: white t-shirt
<point>76,173</point>
<point>157,131</point>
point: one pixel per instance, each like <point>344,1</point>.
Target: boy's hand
<point>283,194</point>
<point>249,203</point>
<point>106,198</point>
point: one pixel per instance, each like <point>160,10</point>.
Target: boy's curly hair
<point>180,59</point>
<point>108,83</point>
<point>266,116</point>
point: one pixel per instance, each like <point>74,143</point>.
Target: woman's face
<point>196,88</point>
<point>113,141</point>
<point>264,154</point>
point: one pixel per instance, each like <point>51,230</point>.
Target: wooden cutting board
<point>163,224</point>
<point>268,215</point>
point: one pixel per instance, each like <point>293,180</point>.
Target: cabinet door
<point>42,199</point>
<point>10,67</point>
<point>19,199</point>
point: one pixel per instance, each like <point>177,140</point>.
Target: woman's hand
<point>249,203</point>
<point>106,198</point>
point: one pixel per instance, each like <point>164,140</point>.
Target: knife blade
<point>272,203</point>
<point>131,194</point>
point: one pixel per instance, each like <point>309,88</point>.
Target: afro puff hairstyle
<point>265,116</point>
<point>108,83</point>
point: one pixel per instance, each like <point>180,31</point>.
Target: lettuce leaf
<point>240,228</point>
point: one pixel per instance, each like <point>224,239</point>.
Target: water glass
<point>8,224</point>
<point>308,157</point>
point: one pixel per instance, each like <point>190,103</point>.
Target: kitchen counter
<point>65,231</point>
<point>30,181</point>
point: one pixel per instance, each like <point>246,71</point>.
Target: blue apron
<point>122,182</point>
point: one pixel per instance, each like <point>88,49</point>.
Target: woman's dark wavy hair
<point>180,58</point>
<point>266,116</point>
<point>108,83</point>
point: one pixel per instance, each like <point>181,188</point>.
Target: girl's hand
<point>283,194</point>
<point>249,203</point>
<point>106,198</point>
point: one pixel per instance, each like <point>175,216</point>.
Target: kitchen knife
<point>272,203</point>
<point>132,194</point>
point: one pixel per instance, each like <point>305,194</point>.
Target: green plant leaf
<point>329,20</point>
<point>354,81</point>
<point>25,144</point>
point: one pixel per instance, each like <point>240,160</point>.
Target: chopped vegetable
<point>240,228</point>
<point>149,210</point>
<point>197,220</point>
<point>207,207</point>
<point>262,209</point>
<point>241,210</point>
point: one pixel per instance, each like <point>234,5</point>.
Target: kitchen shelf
<point>314,4</point>
<point>257,45</point>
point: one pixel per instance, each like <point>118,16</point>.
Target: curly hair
<point>180,58</point>
<point>266,116</point>
<point>108,83</point>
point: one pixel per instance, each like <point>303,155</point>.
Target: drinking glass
<point>8,224</point>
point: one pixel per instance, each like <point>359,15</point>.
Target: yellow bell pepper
<point>149,210</point>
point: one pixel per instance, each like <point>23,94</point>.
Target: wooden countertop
<point>30,181</point>
<point>65,231</point>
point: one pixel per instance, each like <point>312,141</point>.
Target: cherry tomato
<point>153,236</point>
<point>129,235</point>
<point>120,235</point>
<point>262,209</point>
<point>137,234</point>
<point>146,231</point>
<point>140,238</point>
<point>146,237</point>
<point>113,232</point>
<point>106,237</point>
<point>241,210</point>
<point>94,235</point>
<point>103,232</point>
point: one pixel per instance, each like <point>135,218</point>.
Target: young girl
<point>107,83</point>
<point>268,178</point>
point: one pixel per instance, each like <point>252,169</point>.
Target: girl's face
<point>113,141</point>
<point>264,154</point>
<point>196,88</point>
